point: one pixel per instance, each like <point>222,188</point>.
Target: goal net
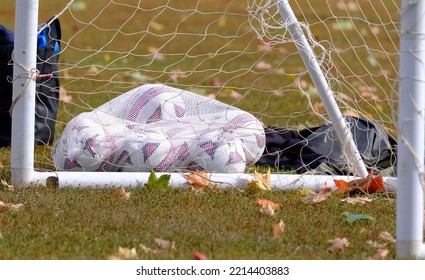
<point>143,82</point>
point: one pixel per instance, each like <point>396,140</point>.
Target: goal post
<point>254,58</point>
<point>410,165</point>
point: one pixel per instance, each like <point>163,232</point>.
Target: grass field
<point>221,224</point>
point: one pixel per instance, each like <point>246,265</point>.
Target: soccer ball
<point>150,151</point>
<point>157,104</point>
<point>214,153</point>
<point>249,131</point>
<point>83,146</point>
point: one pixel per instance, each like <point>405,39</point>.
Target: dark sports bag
<point>47,83</point>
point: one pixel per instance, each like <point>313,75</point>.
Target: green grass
<point>222,224</point>
<point>226,224</point>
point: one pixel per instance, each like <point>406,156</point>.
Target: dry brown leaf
<point>267,210</point>
<point>16,207</point>
<point>199,256</point>
<point>380,254</point>
<point>122,194</point>
<point>386,236</point>
<point>148,250</point>
<point>260,182</point>
<point>375,244</point>
<point>370,184</point>
<point>8,187</point>
<point>198,180</point>
<point>264,202</point>
<point>165,244</point>
<point>278,230</point>
<point>5,207</point>
<point>338,245</point>
<point>176,74</point>
<point>314,197</point>
<point>262,65</point>
<point>355,200</point>
<point>64,96</point>
<point>235,95</point>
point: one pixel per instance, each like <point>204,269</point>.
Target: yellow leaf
<point>260,182</point>
<point>156,26</point>
<point>222,22</point>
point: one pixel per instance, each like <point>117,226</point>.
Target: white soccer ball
<point>152,150</point>
<point>85,146</point>
<point>157,104</point>
<point>214,153</point>
<point>246,128</point>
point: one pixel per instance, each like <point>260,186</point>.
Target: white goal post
<point>323,72</point>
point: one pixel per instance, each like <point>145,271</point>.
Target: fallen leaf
<point>222,22</point>
<point>5,207</point>
<point>351,218</point>
<point>235,95</point>
<point>278,230</point>
<point>380,254</point>
<point>356,200</point>
<point>78,5</point>
<point>93,70</point>
<point>158,183</point>
<point>198,180</point>
<point>139,76</point>
<point>122,194</point>
<point>267,209</point>
<point>8,187</point>
<point>264,202</point>
<point>260,182</point>
<point>375,244</point>
<point>124,254</point>
<point>156,54</point>
<point>370,184</point>
<point>148,250</point>
<point>165,244</point>
<point>314,197</point>
<point>64,96</point>
<point>338,245</point>
<point>156,26</point>
<point>386,236</point>
<point>264,48</point>
<point>175,75</point>
<point>199,256</point>
<point>262,65</point>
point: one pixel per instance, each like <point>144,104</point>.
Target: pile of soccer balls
<point>160,128</point>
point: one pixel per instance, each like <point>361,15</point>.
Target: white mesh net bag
<point>160,128</point>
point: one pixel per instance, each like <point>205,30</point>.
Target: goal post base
<point>410,249</point>
<point>283,182</point>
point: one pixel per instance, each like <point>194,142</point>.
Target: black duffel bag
<point>47,83</point>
